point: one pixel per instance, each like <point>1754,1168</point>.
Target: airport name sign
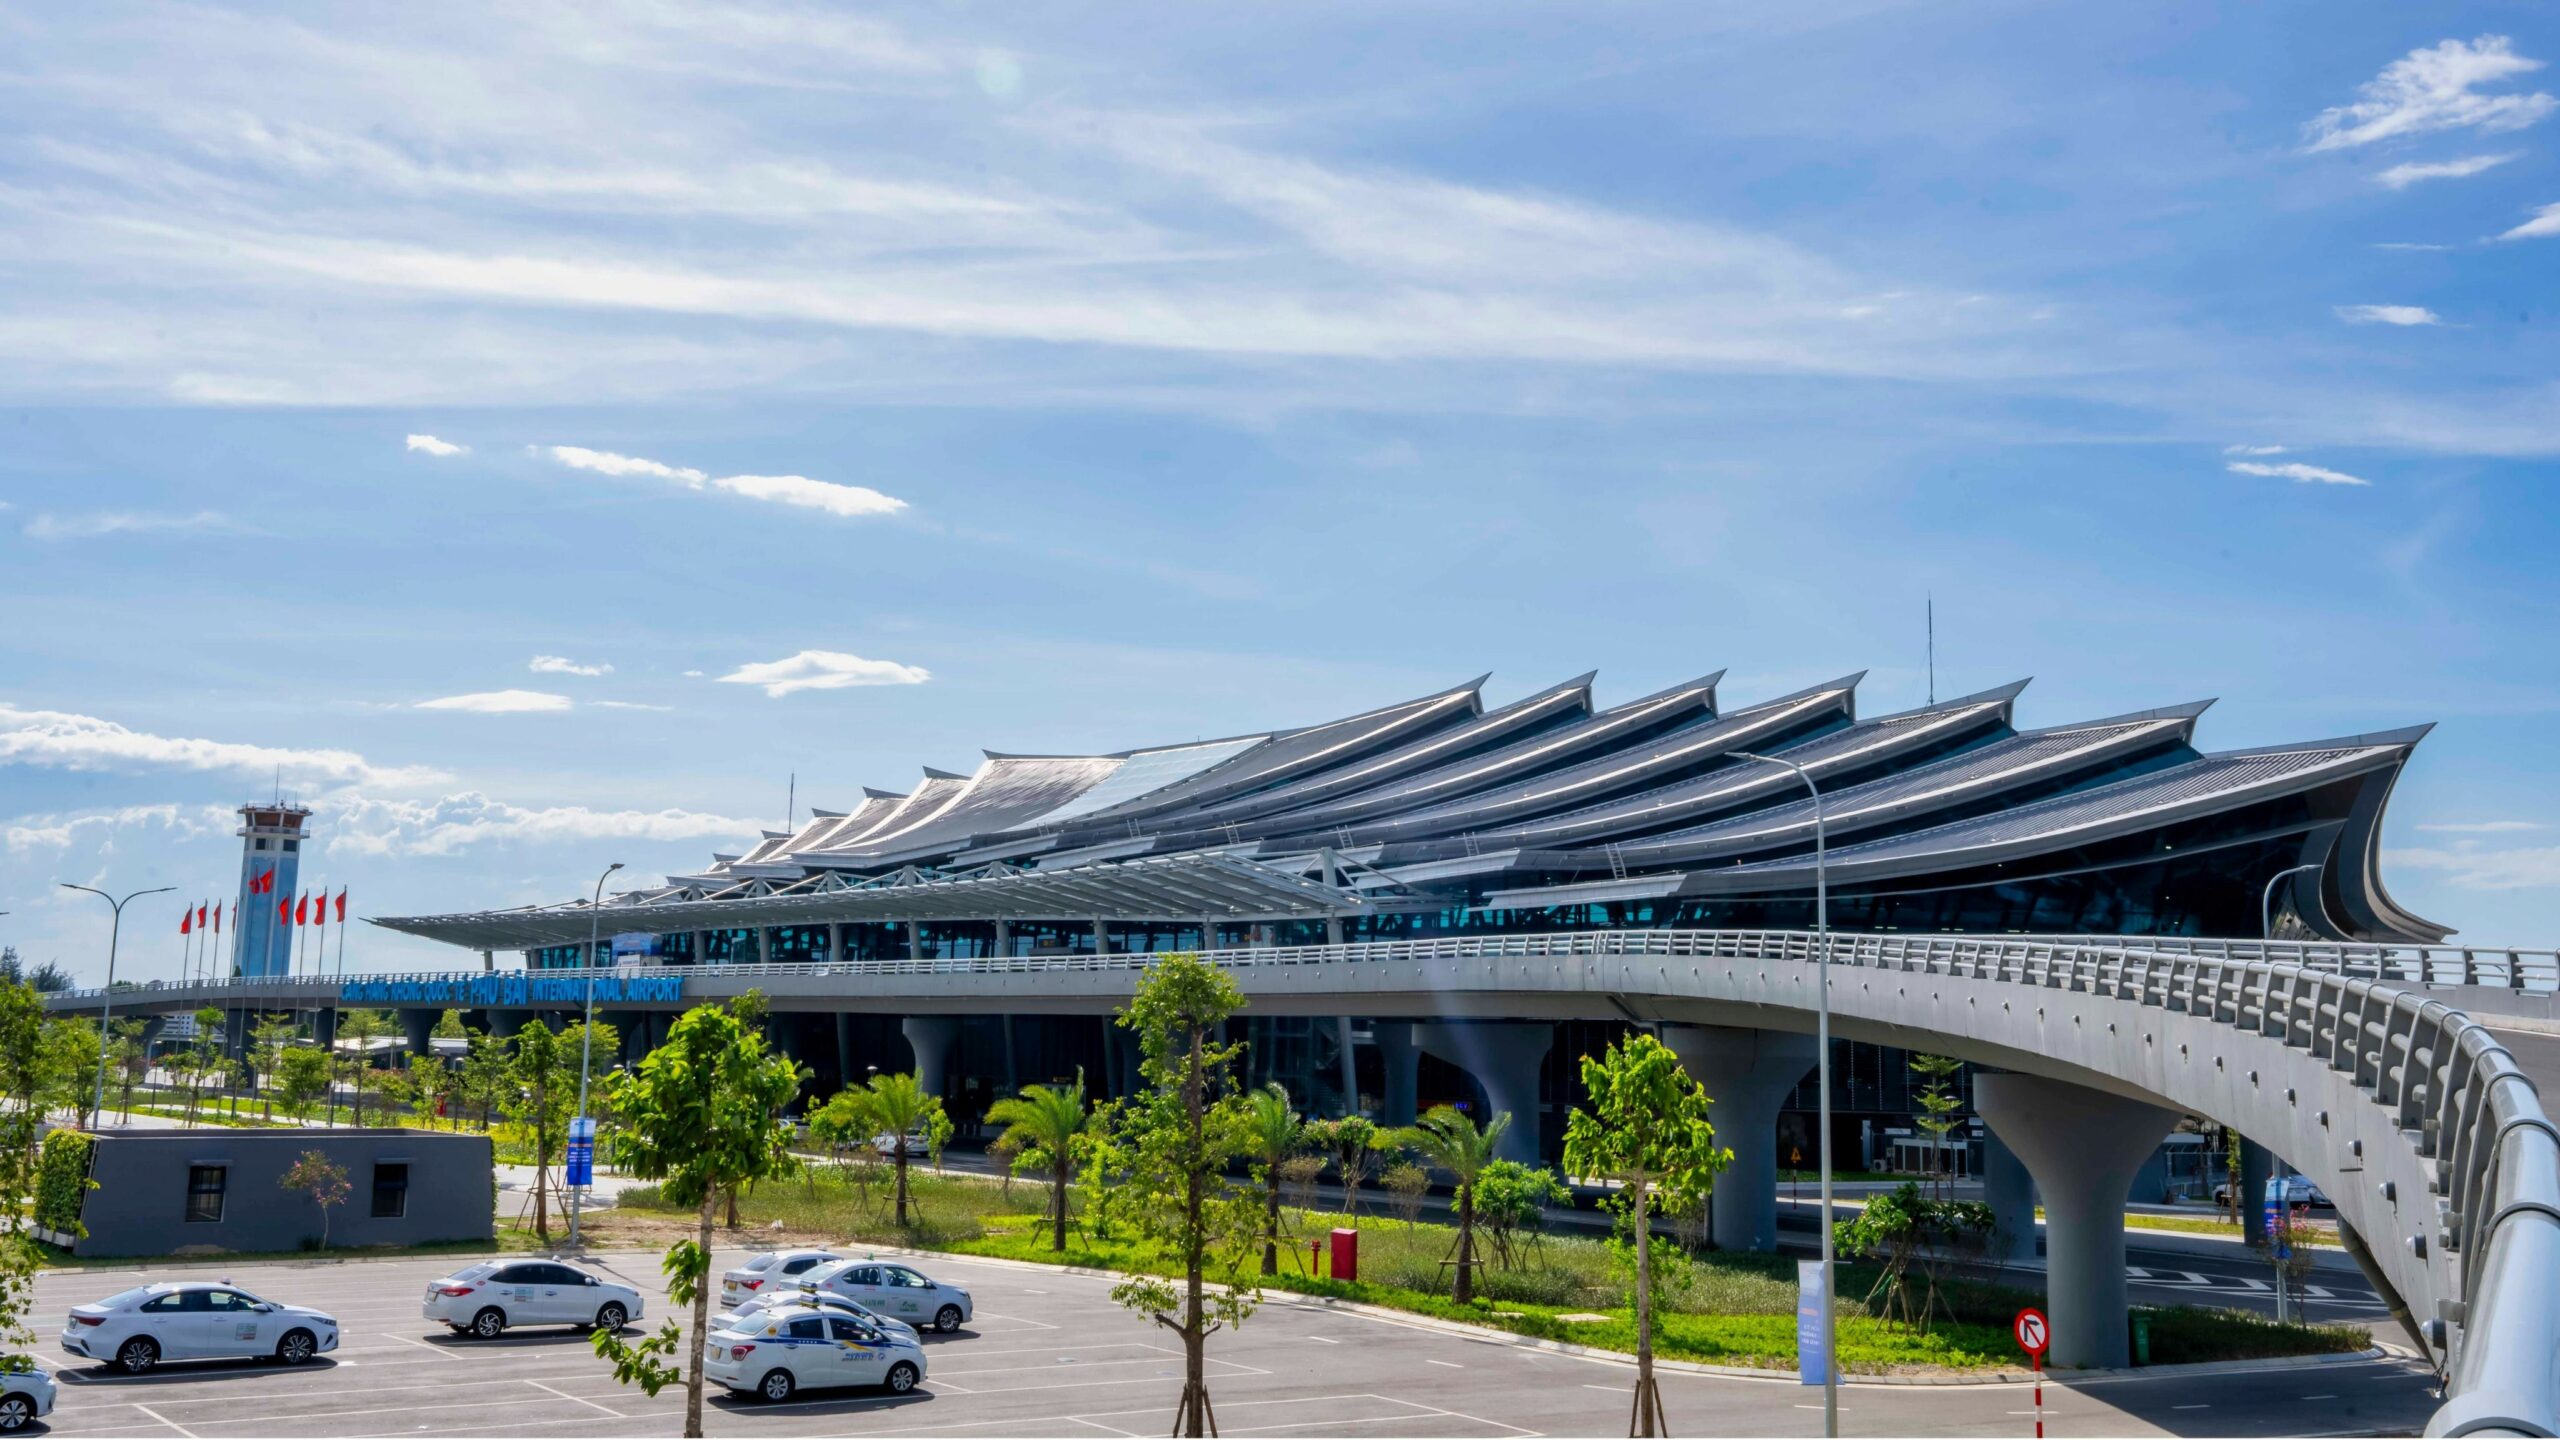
<point>508,992</point>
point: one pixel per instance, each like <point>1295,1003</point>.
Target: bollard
<point>1346,1254</point>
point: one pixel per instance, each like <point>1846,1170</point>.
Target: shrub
<point>62,1180</point>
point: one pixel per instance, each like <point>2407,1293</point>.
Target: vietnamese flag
<point>200,914</point>
<point>284,912</point>
<point>302,911</point>
<point>186,922</point>
<point>342,904</point>
<point>217,916</point>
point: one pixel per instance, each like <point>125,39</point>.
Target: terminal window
<point>205,1184</point>
<point>390,1190</point>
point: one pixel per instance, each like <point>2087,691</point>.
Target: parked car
<point>901,1293</point>
<point>774,1267</point>
<point>886,1142</point>
<point>791,1347</point>
<point>25,1396</point>
<point>811,1297</point>
<point>488,1298</point>
<point>2298,1191</point>
<point>136,1329</point>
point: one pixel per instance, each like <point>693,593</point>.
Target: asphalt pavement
<point>1050,1354</point>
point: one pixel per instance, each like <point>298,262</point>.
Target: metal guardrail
<point>2451,1090</point>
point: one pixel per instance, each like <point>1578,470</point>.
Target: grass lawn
<point>2303,1234</point>
<point>1717,1308</point>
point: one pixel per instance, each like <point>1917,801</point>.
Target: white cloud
<point>122,522</point>
<point>824,670</point>
<point>2252,449</point>
<point>626,705</point>
<point>799,490</point>
<point>2433,88</point>
<point>693,674</point>
<point>563,665</point>
<point>2296,471</point>
<point>501,702</point>
<point>83,742</point>
<point>835,499</point>
<point>2545,221</point>
<point>2532,868</point>
<point>2388,315</point>
<point>364,825</point>
<point>2407,245</point>
<point>2485,827</point>
<point>60,832</point>
<point>2401,177</point>
<point>438,448</point>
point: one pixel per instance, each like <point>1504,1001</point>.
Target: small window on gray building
<point>205,1184</point>
<point>390,1189</point>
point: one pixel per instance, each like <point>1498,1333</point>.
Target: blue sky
<point>866,387</point>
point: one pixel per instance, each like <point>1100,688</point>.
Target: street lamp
<point>107,997</point>
<point>2284,1193</point>
<point>587,1037</point>
<point>1822,1047</point>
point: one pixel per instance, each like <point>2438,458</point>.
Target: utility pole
<point>587,1041</point>
<point>107,997</point>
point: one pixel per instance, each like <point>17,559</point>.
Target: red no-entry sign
<point>2032,1332</point>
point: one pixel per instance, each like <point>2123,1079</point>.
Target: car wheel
<point>947,1319</point>
<point>297,1347</point>
<point>902,1378</point>
<point>612,1318</point>
<point>488,1323</point>
<point>137,1355</point>
<point>16,1411</point>
<point>776,1386</point>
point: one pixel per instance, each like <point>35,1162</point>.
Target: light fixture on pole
<point>107,997</point>
<point>2280,1172</point>
<point>1822,1048</point>
<point>587,1042</point>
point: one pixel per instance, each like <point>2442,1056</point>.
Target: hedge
<point>62,1180</point>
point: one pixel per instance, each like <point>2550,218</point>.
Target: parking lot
<point>1049,1354</point>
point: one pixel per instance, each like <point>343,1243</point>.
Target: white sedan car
<point>788,1348</point>
<point>774,1269</point>
<point>487,1298</point>
<point>138,1328</point>
<point>808,1297</point>
<point>25,1395</point>
<point>899,1293</point>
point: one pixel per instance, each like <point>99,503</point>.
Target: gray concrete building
<point>217,1191</point>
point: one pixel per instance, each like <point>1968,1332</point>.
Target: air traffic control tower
<point>271,839</point>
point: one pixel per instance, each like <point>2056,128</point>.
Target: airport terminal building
<point>1443,816</point>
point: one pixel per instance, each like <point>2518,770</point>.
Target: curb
<point>1487,1335</point>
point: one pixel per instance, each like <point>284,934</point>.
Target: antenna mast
<point>791,805</point>
<point>1933,649</point>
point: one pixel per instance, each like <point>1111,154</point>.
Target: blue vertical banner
<point>582,1152</point>
<point>1813,1338</point>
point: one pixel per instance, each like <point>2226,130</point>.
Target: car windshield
<point>475,1272</point>
<point>126,1297</point>
<point>758,1263</point>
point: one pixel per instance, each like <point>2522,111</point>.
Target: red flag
<point>302,911</point>
<point>200,913</point>
<point>342,904</point>
<point>217,916</point>
<point>258,882</point>
<point>284,912</point>
<point>186,922</point>
<point>320,908</point>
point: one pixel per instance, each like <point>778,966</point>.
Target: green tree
<point>1448,1138</point>
<point>1044,1120</point>
<point>69,1071</point>
<point>1907,1225</point>
<point>486,1078</point>
<point>1183,1130</point>
<point>268,1038</point>
<point>302,1080</point>
<point>326,1183</point>
<point>894,1106</point>
<point>22,1065</point>
<point>449,1026</point>
<point>543,1098</point>
<point>1645,1126</point>
<point>1512,1201</point>
<point>1102,1163</point>
<point>1941,1111</point>
<point>203,1058</point>
<point>433,1080</point>
<point>1279,1132</point>
<point>357,1030</point>
<point>1352,1143</point>
<point>699,1116</point>
<point>129,1056</point>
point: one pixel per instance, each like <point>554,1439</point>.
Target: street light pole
<point>587,1034</point>
<point>1822,1048</point>
<point>2282,1173</point>
<point>107,997</point>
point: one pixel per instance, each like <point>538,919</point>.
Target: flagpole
<point>342,936</point>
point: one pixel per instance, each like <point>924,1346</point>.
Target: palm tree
<point>1448,1139</point>
<point>892,1105</point>
<point>1047,1119</point>
<point>1278,1132</point>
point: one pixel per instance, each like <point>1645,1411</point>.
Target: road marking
<point>1098,1425</point>
<point>437,1351</point>
<point>1446,1364</point>
<point>1324,1340</point>
<point>565,1395</point>
<point>2190,1407</point>
<point>172,1424</point>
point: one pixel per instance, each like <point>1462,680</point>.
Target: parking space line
<point>1444,1364</point>
<point>172,1424</point>
<point>565,1395</point>
<point>1098,1425</point>
<point>437,1351</point>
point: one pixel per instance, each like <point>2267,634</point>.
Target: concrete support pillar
<point>1401,1063</point>
<point>701,947</point>
<point>1012,1070</point>
<point>505,1023</point>
<point>324,1028</point>
<point>1101,937</point>
<point>915,940</point>
<point>835,941</point>
<point>2257,1167</point>
<point>930,1036</point>
<point>488,959</point>
<point>2011,1194</point>
<point>845,1074</point>
<point>1350,1064</point>
<point>1504,1058</point>
<point>1004,937</point>
<point>2083,1147</point>
<point>1747,1073</point>
<point>418,1028</point>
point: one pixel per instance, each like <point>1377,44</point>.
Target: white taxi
<point>900,1293</point>
<point>136,1329</point>
<point>487,1298</point>
<point>809,1297</point>
<point>789,1348</point>
<point>774,1268</point>
<point>25,1396</point>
